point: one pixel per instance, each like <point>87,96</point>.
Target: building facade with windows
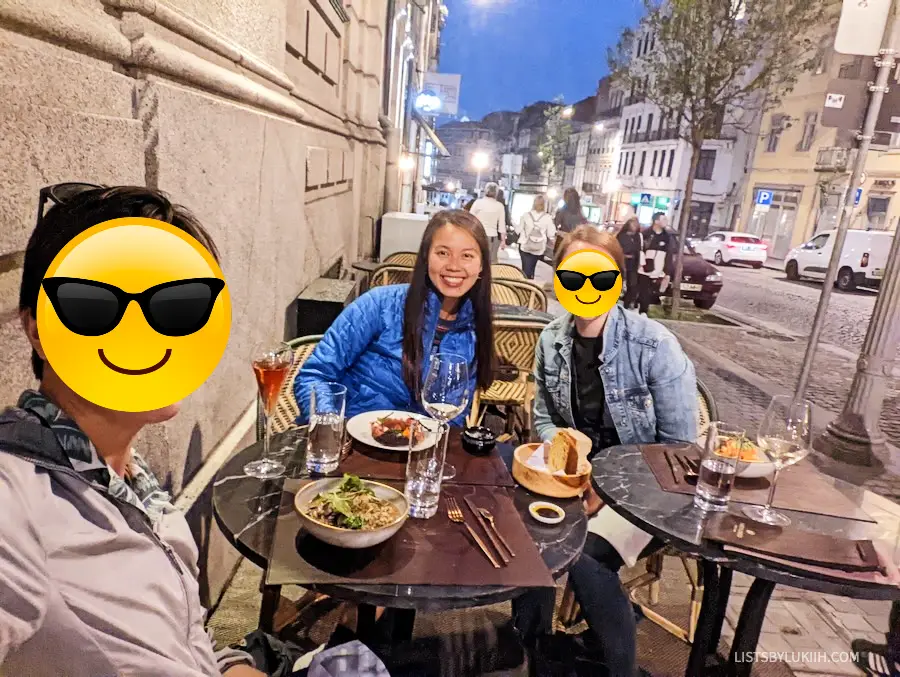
<point>653,162</point>
<point>801,169</point>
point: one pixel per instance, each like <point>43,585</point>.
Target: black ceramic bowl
<point>478,440</point>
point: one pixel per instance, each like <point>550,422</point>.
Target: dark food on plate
<point>547,512</point>
<point>395,432</point>
<point>352,506</point>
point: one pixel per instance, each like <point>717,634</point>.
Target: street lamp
<point>450,186</point>
<point>480,161</point>
<point>599,127</point>
<point>407,163</point>
<point>568,112</point>
<point>552,193</point>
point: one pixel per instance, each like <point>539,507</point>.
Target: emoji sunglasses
<point>573,280</point>
<point>91,308</point>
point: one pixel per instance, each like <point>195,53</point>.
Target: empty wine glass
<point>445,395</point>
<point>271,365</point>
<point>784,435</point>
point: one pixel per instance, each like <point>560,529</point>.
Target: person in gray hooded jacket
<point>98,570</point>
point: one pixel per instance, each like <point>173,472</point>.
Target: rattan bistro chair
<point>515,341</point>
<point>407,259</point>
<point>505,271</point>
<point>504,295</point>
<point>286,407</point>
<point>569,613</point>
<point>530,295</point>
<point>389,273</point>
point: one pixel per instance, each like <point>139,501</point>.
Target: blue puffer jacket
<point>363,350</point>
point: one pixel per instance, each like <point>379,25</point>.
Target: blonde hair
<point>543,202</point>
<point>592,236</point>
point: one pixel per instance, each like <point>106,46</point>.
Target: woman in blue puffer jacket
<point>380,344</point>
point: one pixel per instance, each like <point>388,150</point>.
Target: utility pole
<point>885,64</point>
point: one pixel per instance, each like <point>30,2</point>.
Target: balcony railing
<point>834,159</point>
<point>655,135</point>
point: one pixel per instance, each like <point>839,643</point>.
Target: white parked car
<point>862,263</point>
<point>726,246</point>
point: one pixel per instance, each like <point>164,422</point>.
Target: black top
<point>588,396</point>
<point>631,243</point>
<point>566,220</point>
<point>440,331</point>
<point>661,242</point>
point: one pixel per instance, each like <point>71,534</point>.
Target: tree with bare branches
<point>714,65</point>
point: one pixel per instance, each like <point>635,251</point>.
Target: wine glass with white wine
<point>785,436</point>
<point>445,395</point>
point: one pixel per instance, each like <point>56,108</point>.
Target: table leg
<point>271,595</point>
<point>365,622</point>
<point>746,635</point>
<point>721,607</point>
<point>404,620</point>
<point>703,636</point>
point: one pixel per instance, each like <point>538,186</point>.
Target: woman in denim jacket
<point>620,378</point>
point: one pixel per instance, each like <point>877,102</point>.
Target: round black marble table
<point>505,310</point>
<point>628,486</point>
<point>246,509</point>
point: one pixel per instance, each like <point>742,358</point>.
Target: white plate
<point>360,427</point>
<point>691,287</point>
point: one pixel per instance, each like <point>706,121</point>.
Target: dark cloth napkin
<point>787,543</point>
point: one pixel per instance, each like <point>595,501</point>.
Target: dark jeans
<point>631,282</point>
<point>648,292</point>
<point>608,611</point>
<point>893,634</point>
<point>529,263</point>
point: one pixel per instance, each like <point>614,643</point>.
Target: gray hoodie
<point>98,575</point>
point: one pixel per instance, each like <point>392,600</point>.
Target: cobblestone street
<point>744,366</point>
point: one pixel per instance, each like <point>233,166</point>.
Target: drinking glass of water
<point>718,467</point>
<point>445,394</point>
<point>325,437</point>
<point>424,468</point>
<point>784,435</point>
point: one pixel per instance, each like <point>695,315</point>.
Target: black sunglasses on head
<point>61,193</point>
<point>573,280</point>
<point>91,308</point>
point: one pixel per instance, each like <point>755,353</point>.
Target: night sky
<point>514,52</point>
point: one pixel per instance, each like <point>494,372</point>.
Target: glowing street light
<point>450,186</point>
<point>552,193</point>
<point>599,127</point>
<point>407,163</point>
<point>568,112</point>
<point>480,161</point>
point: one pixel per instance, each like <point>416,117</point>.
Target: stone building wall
<point>261,116</point>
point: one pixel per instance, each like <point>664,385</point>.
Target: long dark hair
<point>572,200</point>
<point>479,295</point>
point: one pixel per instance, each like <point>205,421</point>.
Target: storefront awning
<point>442,149</point>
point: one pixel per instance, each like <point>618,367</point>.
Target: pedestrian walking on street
<point>570,216</point>
<point>632,242</point>
<point>536,230</point>
<point>658,263</point>
<point>492,214</point>
<point>880,660</point>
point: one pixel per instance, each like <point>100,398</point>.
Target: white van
<point>862,262</point>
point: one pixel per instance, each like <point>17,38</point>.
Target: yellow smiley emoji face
<point>134,314</point>
<point>588,283</point>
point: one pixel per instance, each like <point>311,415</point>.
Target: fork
<point>490,520</point>
<point>687,465</point>
<point>455,515</point>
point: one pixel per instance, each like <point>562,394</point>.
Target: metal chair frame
<point>530,295</point>
<point>407,259</point>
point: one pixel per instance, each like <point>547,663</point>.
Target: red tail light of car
<point>864,262</point>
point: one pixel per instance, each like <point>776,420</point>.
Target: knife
<point>483,523</point>
<point>672,467</point>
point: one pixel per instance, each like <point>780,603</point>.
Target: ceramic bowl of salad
<point>349,512</point>
<point>752,461</point>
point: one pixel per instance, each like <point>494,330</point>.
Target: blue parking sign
<point>646,199</point>
<point>764,197</point>
<point>858,197</point>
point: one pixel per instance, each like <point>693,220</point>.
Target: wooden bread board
<point>545,483</point>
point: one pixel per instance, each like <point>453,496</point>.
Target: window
<point>809,131</point>
<point>621,160</point>
<point>817,242</point>
<point>716,237</point>
<point>631,166</point>
<point>774,134</point>
<point>705,165</point>
<point>671,162</point>
<point>653,164</point>
<point>649,125</point>
<point>643,160</point>
<point>653,42</point>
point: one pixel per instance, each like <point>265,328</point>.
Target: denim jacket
<point>649,383</point>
